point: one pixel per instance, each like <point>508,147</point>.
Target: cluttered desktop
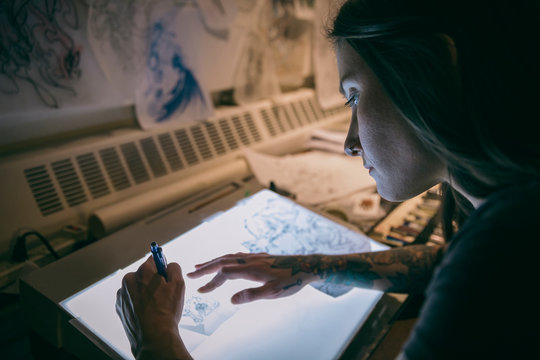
<point>202,157</point>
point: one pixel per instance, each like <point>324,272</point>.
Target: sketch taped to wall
<point>38,50</point>
<point>117,33</point>
<point>171,89</point>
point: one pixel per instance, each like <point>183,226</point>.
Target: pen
<point>159,259</point>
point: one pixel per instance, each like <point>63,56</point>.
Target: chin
<point>396,195</point>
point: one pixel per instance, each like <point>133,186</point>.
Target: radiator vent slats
<point>268,122</point>
<point>153,157</point>
<point>92,175</point>
<point>74,179</point>
<point>43,190</point>
<point>227,132</point>
<point>186,146</point>
<point>202,143</point>
<point>114,168</point>
<point>315,109</point>
<point>279,111</point>
<point>134,162</point>
<point>252,127</point>
<point>309,117</point>
<point>297,114</point>
<point>215,139</point>
<point>239,127</point>
<point>167,145</point>
<point>69,182</point>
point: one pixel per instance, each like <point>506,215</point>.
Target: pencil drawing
<point>214,18</point>
<point>122,26</point>
<point>195,313</point>
<point>36,48</point>
<point>281,227</point>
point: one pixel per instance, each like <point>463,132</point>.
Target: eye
<point>353,100</point>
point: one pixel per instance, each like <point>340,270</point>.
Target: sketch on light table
<point>204,314</point>
<point>281,228</point>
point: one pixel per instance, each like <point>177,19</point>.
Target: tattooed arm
<point>406,269</point>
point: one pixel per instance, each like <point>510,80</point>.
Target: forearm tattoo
<point>406,269</point>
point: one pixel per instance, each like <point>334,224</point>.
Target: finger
<point>211,267</point>
<point>147,268</point>
<point>217,264</point>
<point>267,291</point>
<point>231,257</point>
<point>119,302</point>
<point>174,273</point>
<point>128,280</point>
<point>227,273</point>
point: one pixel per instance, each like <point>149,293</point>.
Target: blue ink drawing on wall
<point>173,87</point>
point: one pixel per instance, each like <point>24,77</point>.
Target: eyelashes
<point>353,100</point>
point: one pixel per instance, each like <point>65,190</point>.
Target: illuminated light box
<point>316,323</point>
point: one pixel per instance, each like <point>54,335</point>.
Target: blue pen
<point>159,259</point>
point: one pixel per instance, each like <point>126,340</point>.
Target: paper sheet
<point>313,177</point>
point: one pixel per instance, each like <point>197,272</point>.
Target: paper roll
<point>110,218</point>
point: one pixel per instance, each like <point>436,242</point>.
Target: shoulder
<point>508,218</point>
<point>477,302</point>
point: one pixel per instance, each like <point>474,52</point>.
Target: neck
<point>476,202</point>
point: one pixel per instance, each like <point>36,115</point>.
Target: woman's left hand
<point>281,275</point>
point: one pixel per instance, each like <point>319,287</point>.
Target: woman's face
<point>397,160</point>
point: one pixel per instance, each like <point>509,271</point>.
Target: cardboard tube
<point>113,217</point>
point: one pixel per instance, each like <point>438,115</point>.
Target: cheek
<point>375,136</point>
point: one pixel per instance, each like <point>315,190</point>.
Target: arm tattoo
<point>297,283</point>
<point>406,269</point>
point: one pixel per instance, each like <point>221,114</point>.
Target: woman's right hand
<point>281,275</point>
<point>150,308</point>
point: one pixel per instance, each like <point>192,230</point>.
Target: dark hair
<point>475,110</point>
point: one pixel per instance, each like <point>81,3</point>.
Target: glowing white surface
<point>309,324</point>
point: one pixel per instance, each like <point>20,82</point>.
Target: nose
<point>352,145</point>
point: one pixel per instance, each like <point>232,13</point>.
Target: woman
<point>439,93</point>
